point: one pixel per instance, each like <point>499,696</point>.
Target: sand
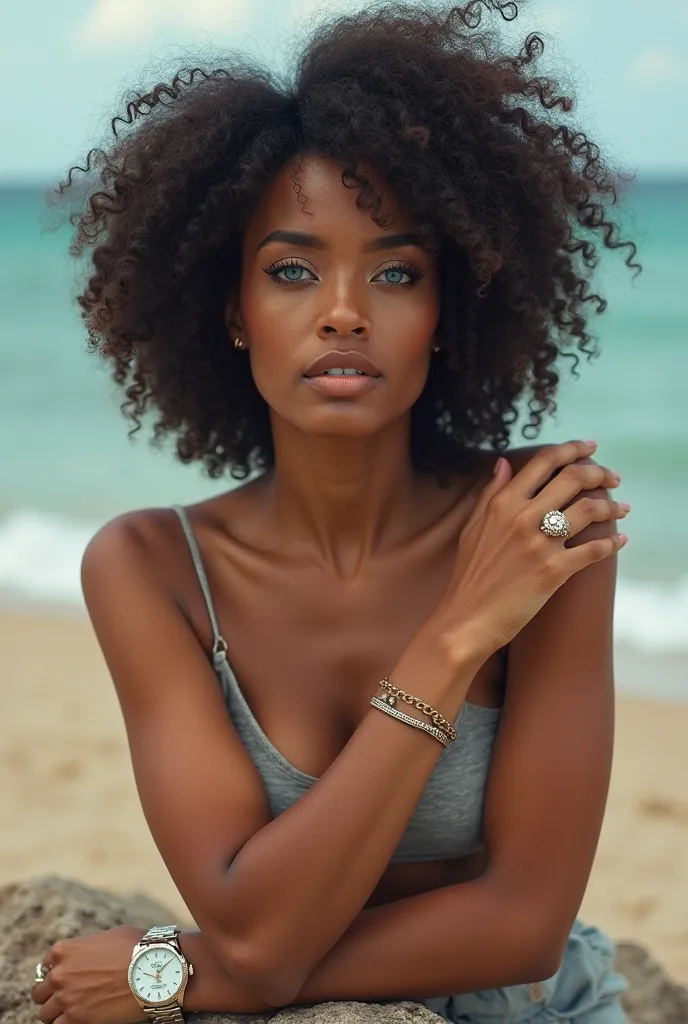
<point>69,806</point>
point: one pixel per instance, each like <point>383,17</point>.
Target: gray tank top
<point>447,821</point>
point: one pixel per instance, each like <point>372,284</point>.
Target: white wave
<point>652,616</point>
<point>40,557</point>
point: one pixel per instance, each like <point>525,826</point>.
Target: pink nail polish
<point>591,444</point>
<point>623,537</point>
<point>625,506</point>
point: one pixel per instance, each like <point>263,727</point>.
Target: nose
<point>344,316</point>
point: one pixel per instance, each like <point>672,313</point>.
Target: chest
<point>308,651</point>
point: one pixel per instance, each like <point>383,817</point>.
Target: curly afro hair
<point>468,137</point>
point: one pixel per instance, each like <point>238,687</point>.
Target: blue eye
<point>395,270</point>
<point>291,269</point>
<point>400,270</point>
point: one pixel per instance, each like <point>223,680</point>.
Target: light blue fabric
<point>585,990</point>
<point>447,823</point>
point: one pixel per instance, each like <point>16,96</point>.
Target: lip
<point>341,387</point>
<point>346,360</point>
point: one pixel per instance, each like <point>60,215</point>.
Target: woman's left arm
<point>544,807</point>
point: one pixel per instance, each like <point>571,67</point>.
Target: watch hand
<point>154,976</point>
<point>168,962</point>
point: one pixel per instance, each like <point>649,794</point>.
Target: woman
<point>345,283</point>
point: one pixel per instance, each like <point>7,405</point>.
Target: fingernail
<point>625,506</point>
<point>591,444</point>
<point>623,539</point>
<point>497,466</point>
<point>616,477</point>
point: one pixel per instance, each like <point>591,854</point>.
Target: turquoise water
<point>67,463</point>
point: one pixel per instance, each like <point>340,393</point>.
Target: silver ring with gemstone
<point>555,524</point>
<point>41,971</point>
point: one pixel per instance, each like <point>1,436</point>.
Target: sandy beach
<point>69,806</point>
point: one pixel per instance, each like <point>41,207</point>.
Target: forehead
<point>308,194</point>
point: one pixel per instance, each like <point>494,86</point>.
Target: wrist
<point>463,648</point>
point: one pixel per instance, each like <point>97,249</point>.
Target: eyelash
<point>407,268</point>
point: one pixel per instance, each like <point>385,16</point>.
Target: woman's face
<point>326,279</point>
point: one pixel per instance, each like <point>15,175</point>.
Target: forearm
<point>331,847</point>
<point>462,938</point>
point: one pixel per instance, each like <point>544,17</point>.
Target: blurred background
<point>67,464</point>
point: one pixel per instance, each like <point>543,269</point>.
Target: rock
<point>653,998</point>
<point>38,912</point>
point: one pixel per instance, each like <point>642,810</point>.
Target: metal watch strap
<point>163,1014</point>
<point>162,933</point>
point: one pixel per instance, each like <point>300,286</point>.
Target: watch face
<point>157,974</point>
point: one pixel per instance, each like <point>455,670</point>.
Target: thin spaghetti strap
<point>219,643</point>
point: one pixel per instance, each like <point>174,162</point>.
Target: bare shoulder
<point>152,535</point>
<point>141,537</point>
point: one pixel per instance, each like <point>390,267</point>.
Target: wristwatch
<point>158,975</point>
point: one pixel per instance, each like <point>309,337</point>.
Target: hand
<point>87,983</point>
<point>506,567</point>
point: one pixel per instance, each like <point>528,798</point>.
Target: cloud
<point>112,23</point>
<point>656,66</point>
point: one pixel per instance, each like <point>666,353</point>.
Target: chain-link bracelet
<point>439,720</point>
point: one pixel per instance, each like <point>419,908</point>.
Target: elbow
<point>541,957</point>
<point>276,986</point>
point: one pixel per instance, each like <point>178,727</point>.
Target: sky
<point>65,66</point>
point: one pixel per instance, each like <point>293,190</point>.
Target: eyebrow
<point>316,242</point>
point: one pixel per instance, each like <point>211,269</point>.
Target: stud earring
<point>238,343</point>
<point>435,348</point>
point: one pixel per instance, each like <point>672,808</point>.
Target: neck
<point>343,499</point>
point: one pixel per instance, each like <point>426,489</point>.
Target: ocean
<point>68,465</point>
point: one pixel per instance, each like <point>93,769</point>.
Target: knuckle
<point>58,949</point>
<point>600,547</point>
<point>600,493</point>
<point>575,473</point>
<point>549,568</point>
<point>588,506</point>
<point>495,505</point>
<point>57,977</point>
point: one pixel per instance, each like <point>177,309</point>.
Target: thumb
<point>501,475</point>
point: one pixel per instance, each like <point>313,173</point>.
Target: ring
<point>41,971</point>
<point>555,524</point>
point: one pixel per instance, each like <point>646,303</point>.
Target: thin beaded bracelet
<point>439,720</point>
<point>383,704</point>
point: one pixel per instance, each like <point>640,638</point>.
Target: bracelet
<point>381,703</point>
<point>439,720</point>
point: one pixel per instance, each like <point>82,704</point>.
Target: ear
<point>233,320</point>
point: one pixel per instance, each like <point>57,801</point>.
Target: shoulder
<point>140,534</point>
<point>520,457</point>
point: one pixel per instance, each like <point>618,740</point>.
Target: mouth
<point>342,385</point>
<point>340,373</point>
<point>336,363</point>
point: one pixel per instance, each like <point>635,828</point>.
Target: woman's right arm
<point>270,896</point>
